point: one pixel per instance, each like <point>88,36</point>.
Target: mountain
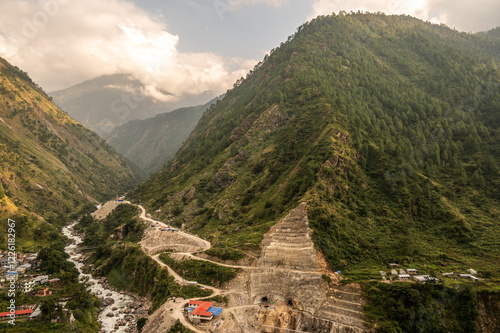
<point>152,142</point>
<point>386,126</point>
<point>108,101</point>
<point>50,164</point>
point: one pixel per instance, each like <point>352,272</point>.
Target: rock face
<point>290,276</point>
<point>290,265</point>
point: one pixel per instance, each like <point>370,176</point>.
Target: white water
<point>121,300</point>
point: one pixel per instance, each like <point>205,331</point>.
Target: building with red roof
<point>202,310</point>
<point>17,313</point>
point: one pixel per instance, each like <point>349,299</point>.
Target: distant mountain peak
<point>108,101</point>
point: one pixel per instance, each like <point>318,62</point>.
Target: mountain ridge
<point>356,115</point>
<point>51,164</point>
<point>152,142</point>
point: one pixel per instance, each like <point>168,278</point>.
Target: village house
<point>42,279</point>
<point>43,292</point>
<point>202,310</point>
<point>26,286</point>
<point>412,271</point>
<point>18,313</point>
<point>469,277</point>
<point>404,277</point>
<point>423,278</point>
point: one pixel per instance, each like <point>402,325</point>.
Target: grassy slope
<point>385,125</point>
<point>50,164</point>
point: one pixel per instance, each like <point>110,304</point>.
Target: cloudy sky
<point>182,46</point>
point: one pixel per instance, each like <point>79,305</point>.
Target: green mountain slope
<point>50,164</point>
<point>153,142</point>
<point>387,126</point>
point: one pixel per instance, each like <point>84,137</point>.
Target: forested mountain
<point>108,101</point>
<point>387,126</point>
<point>152,142</point>
<point>50,164</point>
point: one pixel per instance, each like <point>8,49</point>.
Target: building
<point>4,261</point>
<point>17,313</point>
<point>393,265</point>
<point>394,272</point>
<point>412,271</point>
<point>469,277</point>
<point>202,310</point>
<point>423,278</point>
<point>471,271</point>
<point>382,273</point>
<point>43,292</point>
<point>52,281</point>
<point>11,276</point>
<point>36,314</point>
<point>26,286</point>
<point>42,279</point>
<point>402,271</point>
<point>404,277</point>
<point>448,274</point>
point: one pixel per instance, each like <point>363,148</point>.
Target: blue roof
<point>12,272</point>
<point>189,309</point>
<point>215,311</point>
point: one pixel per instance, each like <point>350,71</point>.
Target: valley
<point>289,282</point>
<point>349,183</point>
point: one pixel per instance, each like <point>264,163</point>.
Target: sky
<point>182,46</point>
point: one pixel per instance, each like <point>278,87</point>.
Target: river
<point>121,301</point>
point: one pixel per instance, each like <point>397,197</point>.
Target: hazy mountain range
<point>103,103</point>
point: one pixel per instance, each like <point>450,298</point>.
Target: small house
<point>394,272</point>
<point>402,271</point>
<point>393,265</point>
<point>412,271</point>
<point>42,279</point>
<point>404,277</point>
<point>423,278</point>
<point>382,273</point>
<point>468,277</point>
<point>43,292</point>
<point>471,271</point>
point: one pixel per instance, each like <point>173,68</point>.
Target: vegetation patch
<point>225,253</point>
<point>201,271</point>
<point>410,307</point>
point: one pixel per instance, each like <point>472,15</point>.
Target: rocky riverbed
<point>119,311</point>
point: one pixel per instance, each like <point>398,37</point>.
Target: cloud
<point>238,4</point>
<point>463,15</point>
<point>63,42</point>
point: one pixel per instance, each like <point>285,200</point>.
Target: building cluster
<point>409,274</point>
<point>17,272</point>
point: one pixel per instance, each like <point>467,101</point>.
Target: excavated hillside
<point>289,275</point>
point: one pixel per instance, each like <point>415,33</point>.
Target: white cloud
<point>464,15</point>
<point>64,42</point>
